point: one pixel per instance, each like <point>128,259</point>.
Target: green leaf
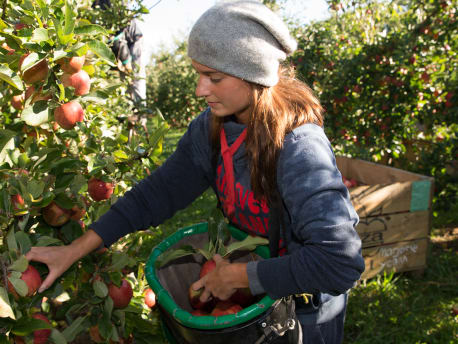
<point>35,188</point>
<point>5,137</point>
<point>40,35</point>
<point>108,307</point>
<point>90,30</point>
<point>119,260</point>
<point>57,337</point>
<point>6,75</point>
<point>173,254</point>
<point>47,241</point>
<point>24,242</point>
<point>31,60</point>
<point>100,289</point>
<point>25,326</point>
<point>120,156</point>
<point>19,285</point>
<point>20,264</point>
<point>69,19</point>
<point>248,244</point>
<point>35,115</point>
<point>74,329</point>
<point>103,51</point>
<point>105,327</point>
<point>5,308</point>
<point>11,241</point>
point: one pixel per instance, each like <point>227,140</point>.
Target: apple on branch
<point>80,81</point>
<point>34,74</point>
<point>55,216</point>
<point>71,64</point>
<point>121,295</point>
<point>66,115</point>
<point>99,190</point>
<point>32,279</point>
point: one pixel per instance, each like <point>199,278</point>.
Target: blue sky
<point>171,19</point>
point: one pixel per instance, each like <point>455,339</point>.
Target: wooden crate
<point>394,207</point>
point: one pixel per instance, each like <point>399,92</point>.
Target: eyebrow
<point>207,72</point>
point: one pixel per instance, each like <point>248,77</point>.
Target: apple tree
<point>65,157</point>
<point>384,71</point>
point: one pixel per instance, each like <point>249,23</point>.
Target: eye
<point>215,80</point>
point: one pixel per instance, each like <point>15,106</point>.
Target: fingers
<point>206,295</point>
<point>217,258</point>
<point>199,284</point>
<point>49,280</point>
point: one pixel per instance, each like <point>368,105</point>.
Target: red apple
<point>17,201</point>
<point>32,279</point>
<point>38,72</point>
<point>242,297</point>
<point>99,190</point>
<point>120,295</point>
<point>77,213</point>
<point>208,266</point>
<point>18,101</point>
<point>150,298</point>
<point>68,114</point>
<point>80,81</point>
<point>19,26</point>
<point>55,216</point>
<point>199,312</point>
<point>41,336</point>
<point>72,64</point>
<point>225,307</point>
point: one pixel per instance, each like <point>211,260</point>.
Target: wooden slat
<point>401,256</point>
<point>372,200</point>
<point>389,229</point>
<point>370,173</point>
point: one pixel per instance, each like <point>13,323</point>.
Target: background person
<point>261,136</point>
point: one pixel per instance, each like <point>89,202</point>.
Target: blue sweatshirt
<point>324,251</point>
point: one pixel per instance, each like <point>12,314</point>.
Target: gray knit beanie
<point>241,38</point>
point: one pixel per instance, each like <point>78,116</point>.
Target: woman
<point>260,145</point>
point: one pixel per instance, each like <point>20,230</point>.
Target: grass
<point>391,308</point>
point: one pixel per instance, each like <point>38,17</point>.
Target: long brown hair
<point>276,111</point>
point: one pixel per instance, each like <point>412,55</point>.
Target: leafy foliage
<point>44,165</point>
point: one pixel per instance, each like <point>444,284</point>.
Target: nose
<point>202,87</point>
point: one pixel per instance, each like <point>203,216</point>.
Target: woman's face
<point>226,95</point>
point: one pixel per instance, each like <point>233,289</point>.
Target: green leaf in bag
<point>168,256</point>
<point>248,244</point>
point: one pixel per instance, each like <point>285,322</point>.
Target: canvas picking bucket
<point>260,322</point>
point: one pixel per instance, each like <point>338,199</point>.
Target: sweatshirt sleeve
<point>171,187</point>
<point>326,250</point>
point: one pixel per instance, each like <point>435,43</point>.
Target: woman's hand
<point>57,258</point>
<point>60,258</point>
<point>223,280</point>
